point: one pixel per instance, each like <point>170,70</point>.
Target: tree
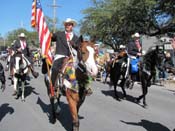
<point>32,37</point>
<point>114,21</point>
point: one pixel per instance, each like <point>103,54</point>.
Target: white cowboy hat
<point>22,35</point>
<point>69,20</point>
<point>121,46</point>
<point>136,35</point>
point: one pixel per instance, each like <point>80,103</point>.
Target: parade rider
<point>21,46</point>
<point>134,50</point>
<point>66,42</point>
<point>134,46</point>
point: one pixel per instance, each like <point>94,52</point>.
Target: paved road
<point>100,112</point>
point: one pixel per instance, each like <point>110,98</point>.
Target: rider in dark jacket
<point>21,45</point>
<point>134,49</point>
<point>134,46</point>
<point>64,41</point>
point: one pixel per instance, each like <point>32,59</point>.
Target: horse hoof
<point>53,120</point>
<point>137,100</point>
<point>145,105</point>
<point>17,97</point>
<point>14,93</point>
<point>124,98</point>
<point>118,99</point>
<point>23,100</point>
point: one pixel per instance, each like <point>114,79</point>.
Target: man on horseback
<point>135,52</point>
<point>134,46</point>
<point>21,46</point>
<point>66,43</point>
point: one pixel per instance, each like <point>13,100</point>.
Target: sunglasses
<point>68,24</point>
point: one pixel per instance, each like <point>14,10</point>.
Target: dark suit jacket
<point>25,51</point>
<point>132,48</point>
<point>61,43</point>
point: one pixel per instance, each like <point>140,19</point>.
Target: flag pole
<point>50,83</point>
<point>45,45</point>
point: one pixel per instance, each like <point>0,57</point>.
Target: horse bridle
<point>81,64</point>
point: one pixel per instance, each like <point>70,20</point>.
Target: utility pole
<point>4,43</point>
<point>21,24</point>
<point>54,6</point>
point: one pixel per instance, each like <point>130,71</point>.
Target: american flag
<point>38,22</point>
<point>33,18</point>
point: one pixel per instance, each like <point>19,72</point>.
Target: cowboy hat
<point>122,47</point>
<point>22,35</point>
<point>136,35</point>
<point>69,20</point>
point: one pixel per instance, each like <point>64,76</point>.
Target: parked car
<point>3,55</point>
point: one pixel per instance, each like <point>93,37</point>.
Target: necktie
<point>68,36</point>
<point>24,44</point>
<point>138,44</point>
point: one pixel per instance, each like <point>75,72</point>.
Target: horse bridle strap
<point>82,67</point>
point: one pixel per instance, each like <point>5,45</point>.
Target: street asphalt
<point>100,111</point>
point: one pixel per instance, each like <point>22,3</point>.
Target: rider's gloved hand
<point>139,54</point>
<point>19,49</point>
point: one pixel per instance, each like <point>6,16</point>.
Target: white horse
<point>20,71</point>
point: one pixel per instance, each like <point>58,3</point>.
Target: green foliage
<point>114,21</point>
<point>32,37</point>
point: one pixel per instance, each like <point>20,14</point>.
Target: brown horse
<point>73,84</point>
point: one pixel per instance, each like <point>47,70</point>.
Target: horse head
<point>87,56</point>
<point>154,57</point>
<point>159,57</point>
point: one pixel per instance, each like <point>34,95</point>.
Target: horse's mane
<point>153,57</point>
<point>149,56</point>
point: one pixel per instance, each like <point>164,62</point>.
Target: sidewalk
<point>169,84</point>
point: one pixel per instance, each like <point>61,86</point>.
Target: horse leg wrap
<point>75,126</point>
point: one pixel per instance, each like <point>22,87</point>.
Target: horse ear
<point>80,39</point>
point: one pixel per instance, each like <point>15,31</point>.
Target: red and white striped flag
<point>38,22</point>
<point>33,18</point>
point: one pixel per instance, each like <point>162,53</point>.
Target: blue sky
<point>17,13</point>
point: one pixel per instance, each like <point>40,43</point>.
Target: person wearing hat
<point>21,45</point>
<point>66,42</point>
<point>134,49</point>
<point>134,46</point>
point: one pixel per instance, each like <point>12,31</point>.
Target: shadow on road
<point>148,125</point>
<point>4,110</point>
<point>120,94</point>
<point>29,90</point>
<point>64,116</point>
